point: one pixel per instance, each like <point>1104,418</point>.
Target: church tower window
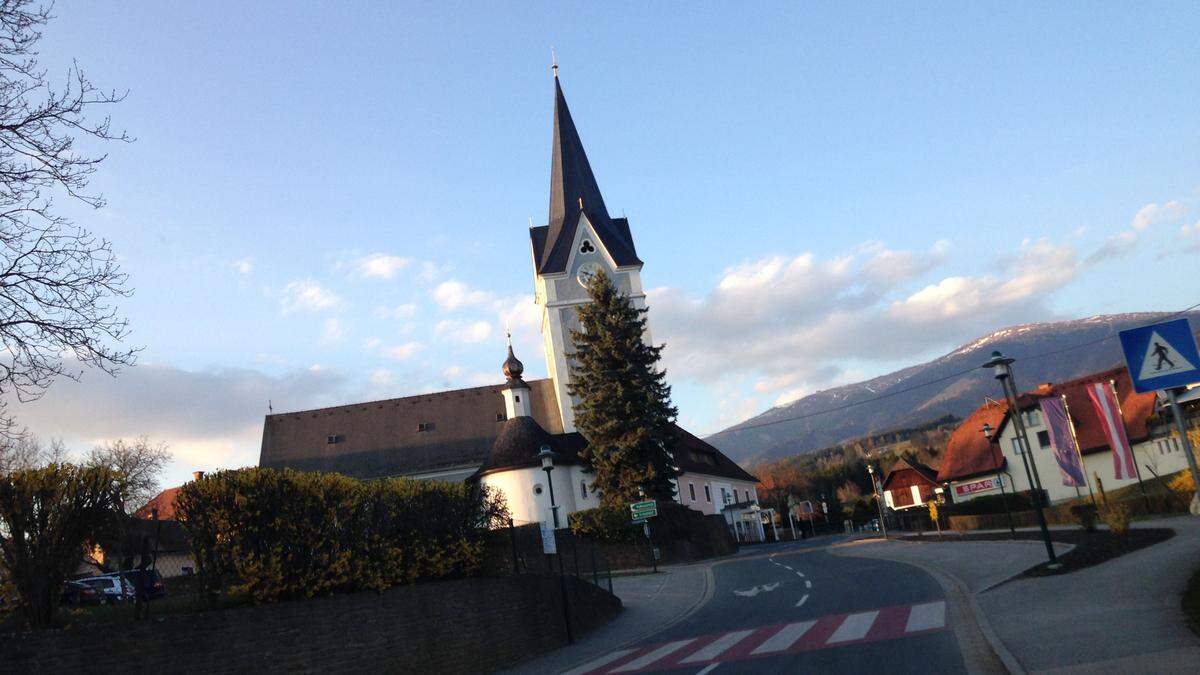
<point>586,247</point>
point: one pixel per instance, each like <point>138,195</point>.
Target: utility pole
<point>1001,367</point>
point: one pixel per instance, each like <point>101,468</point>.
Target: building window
<point>334,438</point>
<point>1033,418</point>
<point>1016,446</point>
<point>537,489</point>
<point>692,491</point>
<point>702,457</point>
<point>583,489</point>
<point>707,494</point>
<point>586,247</point>
<point>424,426</point>
<point>724,496</point>
<point>517,398</point>
<point>1043,438</point>
<point>499,417</point>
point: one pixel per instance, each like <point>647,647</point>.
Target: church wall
<point>525,506</point>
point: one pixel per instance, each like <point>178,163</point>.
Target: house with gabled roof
<point>976,464</point>
<point>494,434</point>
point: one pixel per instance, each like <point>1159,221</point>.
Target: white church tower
<point>580,239</point>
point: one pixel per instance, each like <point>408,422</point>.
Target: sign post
<point>642,512</point>
<point>1163,357</point>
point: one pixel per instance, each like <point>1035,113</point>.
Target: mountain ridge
<point>953,383</point>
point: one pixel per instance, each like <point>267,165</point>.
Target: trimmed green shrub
<point>1085,514</point>
<point>604,523</point>
<point>48,516</point>
<point>274,534</point>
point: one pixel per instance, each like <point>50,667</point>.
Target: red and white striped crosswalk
<point>836,630</point>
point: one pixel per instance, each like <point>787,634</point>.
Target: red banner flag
<point>1104,398</point>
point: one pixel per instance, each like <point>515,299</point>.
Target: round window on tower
<point>537,489</point>
<point>586,247</point>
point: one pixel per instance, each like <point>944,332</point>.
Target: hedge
<point>275,534</point>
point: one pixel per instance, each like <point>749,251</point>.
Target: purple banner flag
<point>1062,440</point>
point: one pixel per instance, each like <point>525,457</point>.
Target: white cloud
<point>471,332</point>
<point>381,265</point>
<point>332,331</point>
<point>306,295</point>
<point>1192,230</point>
<point>1118,245</point>
<point>403,351</point>
<point>405,311</point>
<point>382,377</point>
<point>244,266</point>
<point>372,343</point>
<point>792,324</point>
<point>209,418</point>
<point>1153,214</point>
<point>453,294</point>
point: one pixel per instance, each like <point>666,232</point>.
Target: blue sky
<point>327,203</point>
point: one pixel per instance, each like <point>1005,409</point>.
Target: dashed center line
<point>807,583</point>
<point>802,600</point>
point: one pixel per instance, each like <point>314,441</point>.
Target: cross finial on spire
<point>554,62</point>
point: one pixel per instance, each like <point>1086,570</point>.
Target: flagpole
<point>1137,470</point>
<point>1079,450</point>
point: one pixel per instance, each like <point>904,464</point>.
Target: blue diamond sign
<point>1161,356</point>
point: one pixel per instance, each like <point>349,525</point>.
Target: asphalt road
<point>796,608</point>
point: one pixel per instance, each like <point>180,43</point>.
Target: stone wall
<point>462,626</point>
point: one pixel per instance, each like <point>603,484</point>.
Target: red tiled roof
<point>164,502</point>
<point>1136,408</point>
<point>969,452</point>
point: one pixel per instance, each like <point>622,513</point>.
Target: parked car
<point>110,588</point>
<point>155,589</point>
<point>77,593</point>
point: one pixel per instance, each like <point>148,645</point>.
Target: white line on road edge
<point>926,616</point>
<point>807,583</point>
<point>598,663</point>
<point>718,647</point>
<point>799,573</point>
<point>660,653</point>
<point>786,637</point>
<point>711,667</point>
<point>802,600</point>
<point>855,627</point>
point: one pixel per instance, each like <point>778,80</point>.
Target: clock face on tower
<point>586,272</point>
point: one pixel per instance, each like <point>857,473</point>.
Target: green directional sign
<point>644,510</point>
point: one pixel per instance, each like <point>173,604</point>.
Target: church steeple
<point>574,192</point>
<point>573,187</point>
<point>515,390</point>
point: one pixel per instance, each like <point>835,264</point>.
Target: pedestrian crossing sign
<point>1161,356</point>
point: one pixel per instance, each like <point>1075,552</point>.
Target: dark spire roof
<point>572,184</point>
<point>520,440</point>
<point>513,368</point>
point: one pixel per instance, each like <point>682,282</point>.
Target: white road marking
<point>750,593</point>
<point>711,667</point>
<point>802,600</point>
<point>660,653</point>
<point>602,661</point>
<point>788,566</point>
<point>786,637</point>
<point>855,627</point>
<point>717,647</point>
<point>926,616</point>
<point>807,583</point>
<point>799,573</point>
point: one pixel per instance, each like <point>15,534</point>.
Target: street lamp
<point>547,456</point>
<point>1001,367</point>
<point>878,498</point>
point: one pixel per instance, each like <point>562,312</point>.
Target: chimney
<point>197,475</point>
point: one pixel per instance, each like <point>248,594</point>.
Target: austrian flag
<point>1108,410</point>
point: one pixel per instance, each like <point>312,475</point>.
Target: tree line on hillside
<point>839,475</point>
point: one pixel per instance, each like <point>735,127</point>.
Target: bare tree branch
<point>58,282</point>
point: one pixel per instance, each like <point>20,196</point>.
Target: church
<point>498,435</point>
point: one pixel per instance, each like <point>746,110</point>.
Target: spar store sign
<point>974,487</point>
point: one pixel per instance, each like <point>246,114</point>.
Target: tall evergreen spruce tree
<point>624,409</point>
